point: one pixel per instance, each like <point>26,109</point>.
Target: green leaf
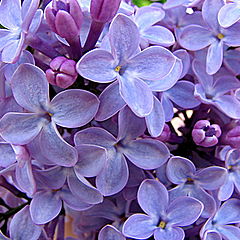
<point>141,3</point>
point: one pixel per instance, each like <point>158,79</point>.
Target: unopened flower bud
<point>104,10</point>
<point>64,18</point>
<point>62,72</point>
<point>206,135</point>
<point>232,137</point>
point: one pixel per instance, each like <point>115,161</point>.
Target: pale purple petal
<point>22,226</point>
<point>210,11</point>
<point>226,190</point>
<point>229,14</point>
<point>97,65</point>
<point>184,56</point>
<point>230,232</point>
<point>96,136</point>
<point>129,125</point>
<point>25,178</point>
<point>204,79</point>
<point>30,87</point>
<point>147,16</point>
<point>73,201</point>
<point>146,153</point>
<point>45,206</point>
<point>6,36</point>
<point>232,35</point>
<point>152,63</point>
<point>211,178</point>
<point>169,234</point>
<point>153,198</point>
<point>110,102</point>
<point>159,35</point>
<point>124,38</point>
<point>55,148</point>
<point>212,235</point>
<point>74,108</point>
<point>156,119</point>
<point>139,226</point>
<point>29,8</point>
<point>214,57</point>
<point>80,187</point>
<point>229,105</point>
<point>179,169</point>
<point>167,107</point>
<point>184,211</point>
<point>133,91</point>
<point>229,212</point>
<point>11,53</point>
<point>7,155</point>
<point>10,13</point>
<point>110,233</point>
<point>91,160</point>
<point>182,94</point>
<point>113,178</point>
<point>20,128</point>
<point>195,37</point>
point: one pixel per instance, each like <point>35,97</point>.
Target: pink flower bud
<point>104,10</point>
<point>206,135</point>
<point>64,18</point>
<point>62,72</point>
<point>232,137</point>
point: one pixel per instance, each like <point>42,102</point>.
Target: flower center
<point>162,224</point>
<point>117,68</point>
<point>220,36</point>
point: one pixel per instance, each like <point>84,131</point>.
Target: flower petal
<point>110,102</point>
<point>55,148</point>
<point>153,63</point>
<point>153,198</point>
<point>30,87</point>
<point>133,91</point>
<point>45,206</point>
<point>169,233</point>
<point>156,119</point>
<point>91,160</point>
<point>97,65</point>
<point>229,14</point>
<point>74,108</point>
<point>184,211</point>
<point>22,226</point>
<point>146,153</point>
<point>179,169</point>
<point>124,38</point>
<point>110,233</point>
<point>195,37</point>
<point>138,226</point>
<point>20,128</point>
<point>114,176</point>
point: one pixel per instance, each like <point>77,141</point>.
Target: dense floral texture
<point>119,121</point>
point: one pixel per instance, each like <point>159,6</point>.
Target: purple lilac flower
<point>150,33</point>
<point>163,219</point>
<point>30,89</point>
<point>144,153</point>
<point>196,37</point>
<point>220,225</point>
<point>191,182</point>
<point>232,164</point>
<point>19,21</point>
<point>130,68</point>
<point>214,90</point>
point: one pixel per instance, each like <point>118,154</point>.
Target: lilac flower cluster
<point>118,121</point>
